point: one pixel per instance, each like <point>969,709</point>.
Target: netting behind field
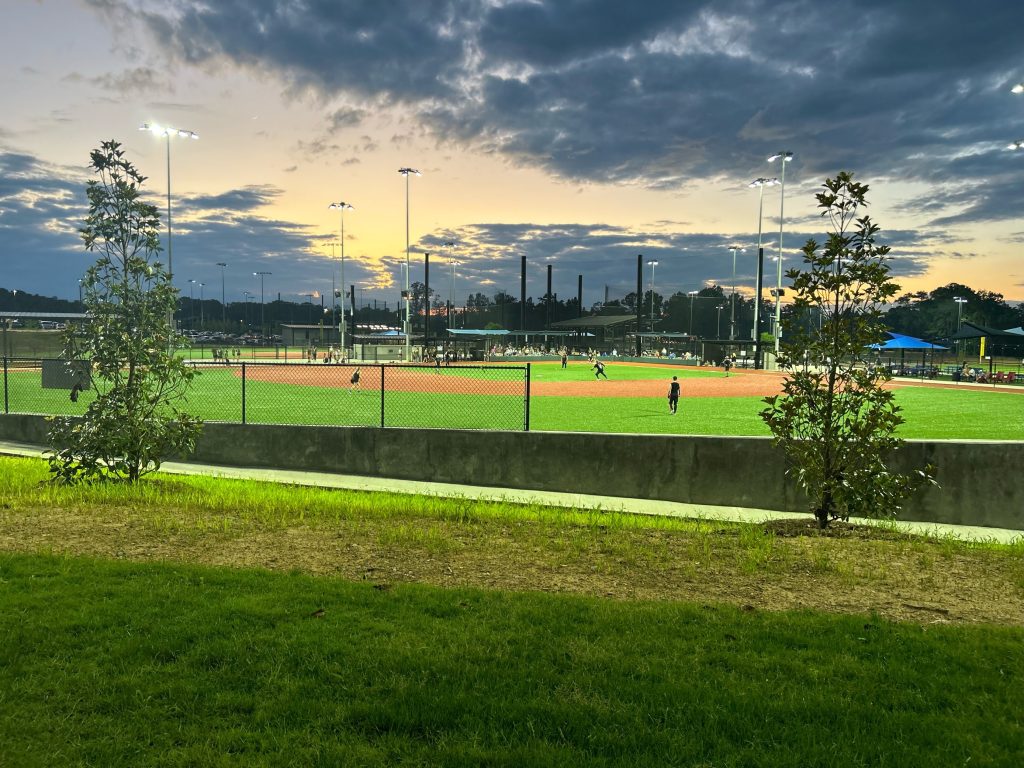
<point>455,397</point>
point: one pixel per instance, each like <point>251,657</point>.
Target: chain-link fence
<point>459,396</point>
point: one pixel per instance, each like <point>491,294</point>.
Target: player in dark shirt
<point>673,395</point>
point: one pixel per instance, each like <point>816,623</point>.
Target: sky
<point>577,133</point>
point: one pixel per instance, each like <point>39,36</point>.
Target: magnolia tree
<point>128,344</point>
<point>835,418</point>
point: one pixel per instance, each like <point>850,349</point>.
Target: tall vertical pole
<point>426,300</point>
<point>547,302</point>
<point>522,295</point>
<point>732,299</point>
<point>639,298</point>
<point>341,320</point>
<point>579,296</point>
<point>170,257</point>
<point>408,297</point>
<point>757,302</point>
<point>223,303</point>
<point>778,280</point>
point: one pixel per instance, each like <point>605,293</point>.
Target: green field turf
<point>117,663</point>
<point>930,413</point>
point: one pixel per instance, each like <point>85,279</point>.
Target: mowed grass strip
<point>113,663</point>
<point>460,542</point>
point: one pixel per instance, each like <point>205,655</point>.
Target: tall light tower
<point>223,303</point>
<point>960,301</point>
<point>652,264</point>
<point>732,299</point>
<point>167,133</point>
<point>202,314</point>
<point>407,172</point>
<point>341,208</point>
<point>247,295</point>
<point>191,304</point>
<point>693,296</point>
<point>785,157</point>
<point>261,275</point>
<point>760,183</point>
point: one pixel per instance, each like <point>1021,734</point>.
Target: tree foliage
<point>835,419</point>
<point>127,344</point>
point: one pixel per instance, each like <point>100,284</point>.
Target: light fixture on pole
<point>223,303</point>
<point>718,324</point>
<point>960,301</point>
<point>760,183</point>
<point>263,327</point>
<point>732,298</point>
<point>191,303</point>
<point>341,208</point>
<point>1016,145</point>
<point>693,296</point>
<point>247,295</point>
<point>407,172</point>
<point>1018,88</point>
<point>202,315</point>
<point>451,295</point>
<point>652,265</point>
<point>785,157</point>
<point>167,133</point>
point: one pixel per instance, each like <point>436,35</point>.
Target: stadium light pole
<point>202,313</point>
<point>693,296</point>
<point>718,324</point>
<point>223,303</point>
<point>247,295</point>
<point>732,298</point>
<point>451,295</point>
<point>1016,145</point>
<point>191,303</point>
<point>760,183</point>
<point>652,264</point>
<point>785,157</point>
<point>168,132</point>
<point>341,207</point>
<point>1018,88</point>
<point>960,301</point>
<point>407,172</point>
<point>262,275</point>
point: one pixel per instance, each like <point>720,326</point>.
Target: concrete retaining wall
<point>981,482</point>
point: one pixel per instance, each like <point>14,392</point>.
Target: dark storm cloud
<point>660,92</point>
<point>490,257</point>
<point>42,207</point>
<point>233,200</point>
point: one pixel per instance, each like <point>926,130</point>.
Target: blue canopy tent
<point>902,343</point>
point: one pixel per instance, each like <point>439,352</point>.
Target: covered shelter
<point>992,340</point>
<point>899,342</point>
<point>606,330</point>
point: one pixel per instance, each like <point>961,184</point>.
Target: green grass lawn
<point>930,413</point>
<point>113,663</point>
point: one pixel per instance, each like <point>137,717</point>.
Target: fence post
<point>527,429</point>
<point>243,393</point>
<point>6,408</point>
<point>382,397</point>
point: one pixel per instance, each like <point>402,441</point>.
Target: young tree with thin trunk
<point>127,345</point>
<point>835,419</point>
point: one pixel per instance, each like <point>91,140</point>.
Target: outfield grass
<point>930,413</point>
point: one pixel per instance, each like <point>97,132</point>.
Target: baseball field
<point>632,399</point>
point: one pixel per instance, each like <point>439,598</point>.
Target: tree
<point>127,344</point>
<point>835,419</point>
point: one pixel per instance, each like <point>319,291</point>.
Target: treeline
<point>708,313</point>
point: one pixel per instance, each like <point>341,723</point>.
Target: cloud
<point>657,93</point>
<point>139,80</point>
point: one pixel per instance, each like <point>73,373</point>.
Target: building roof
<point>595,321</point>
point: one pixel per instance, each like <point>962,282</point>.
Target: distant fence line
<point>457,396</point>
